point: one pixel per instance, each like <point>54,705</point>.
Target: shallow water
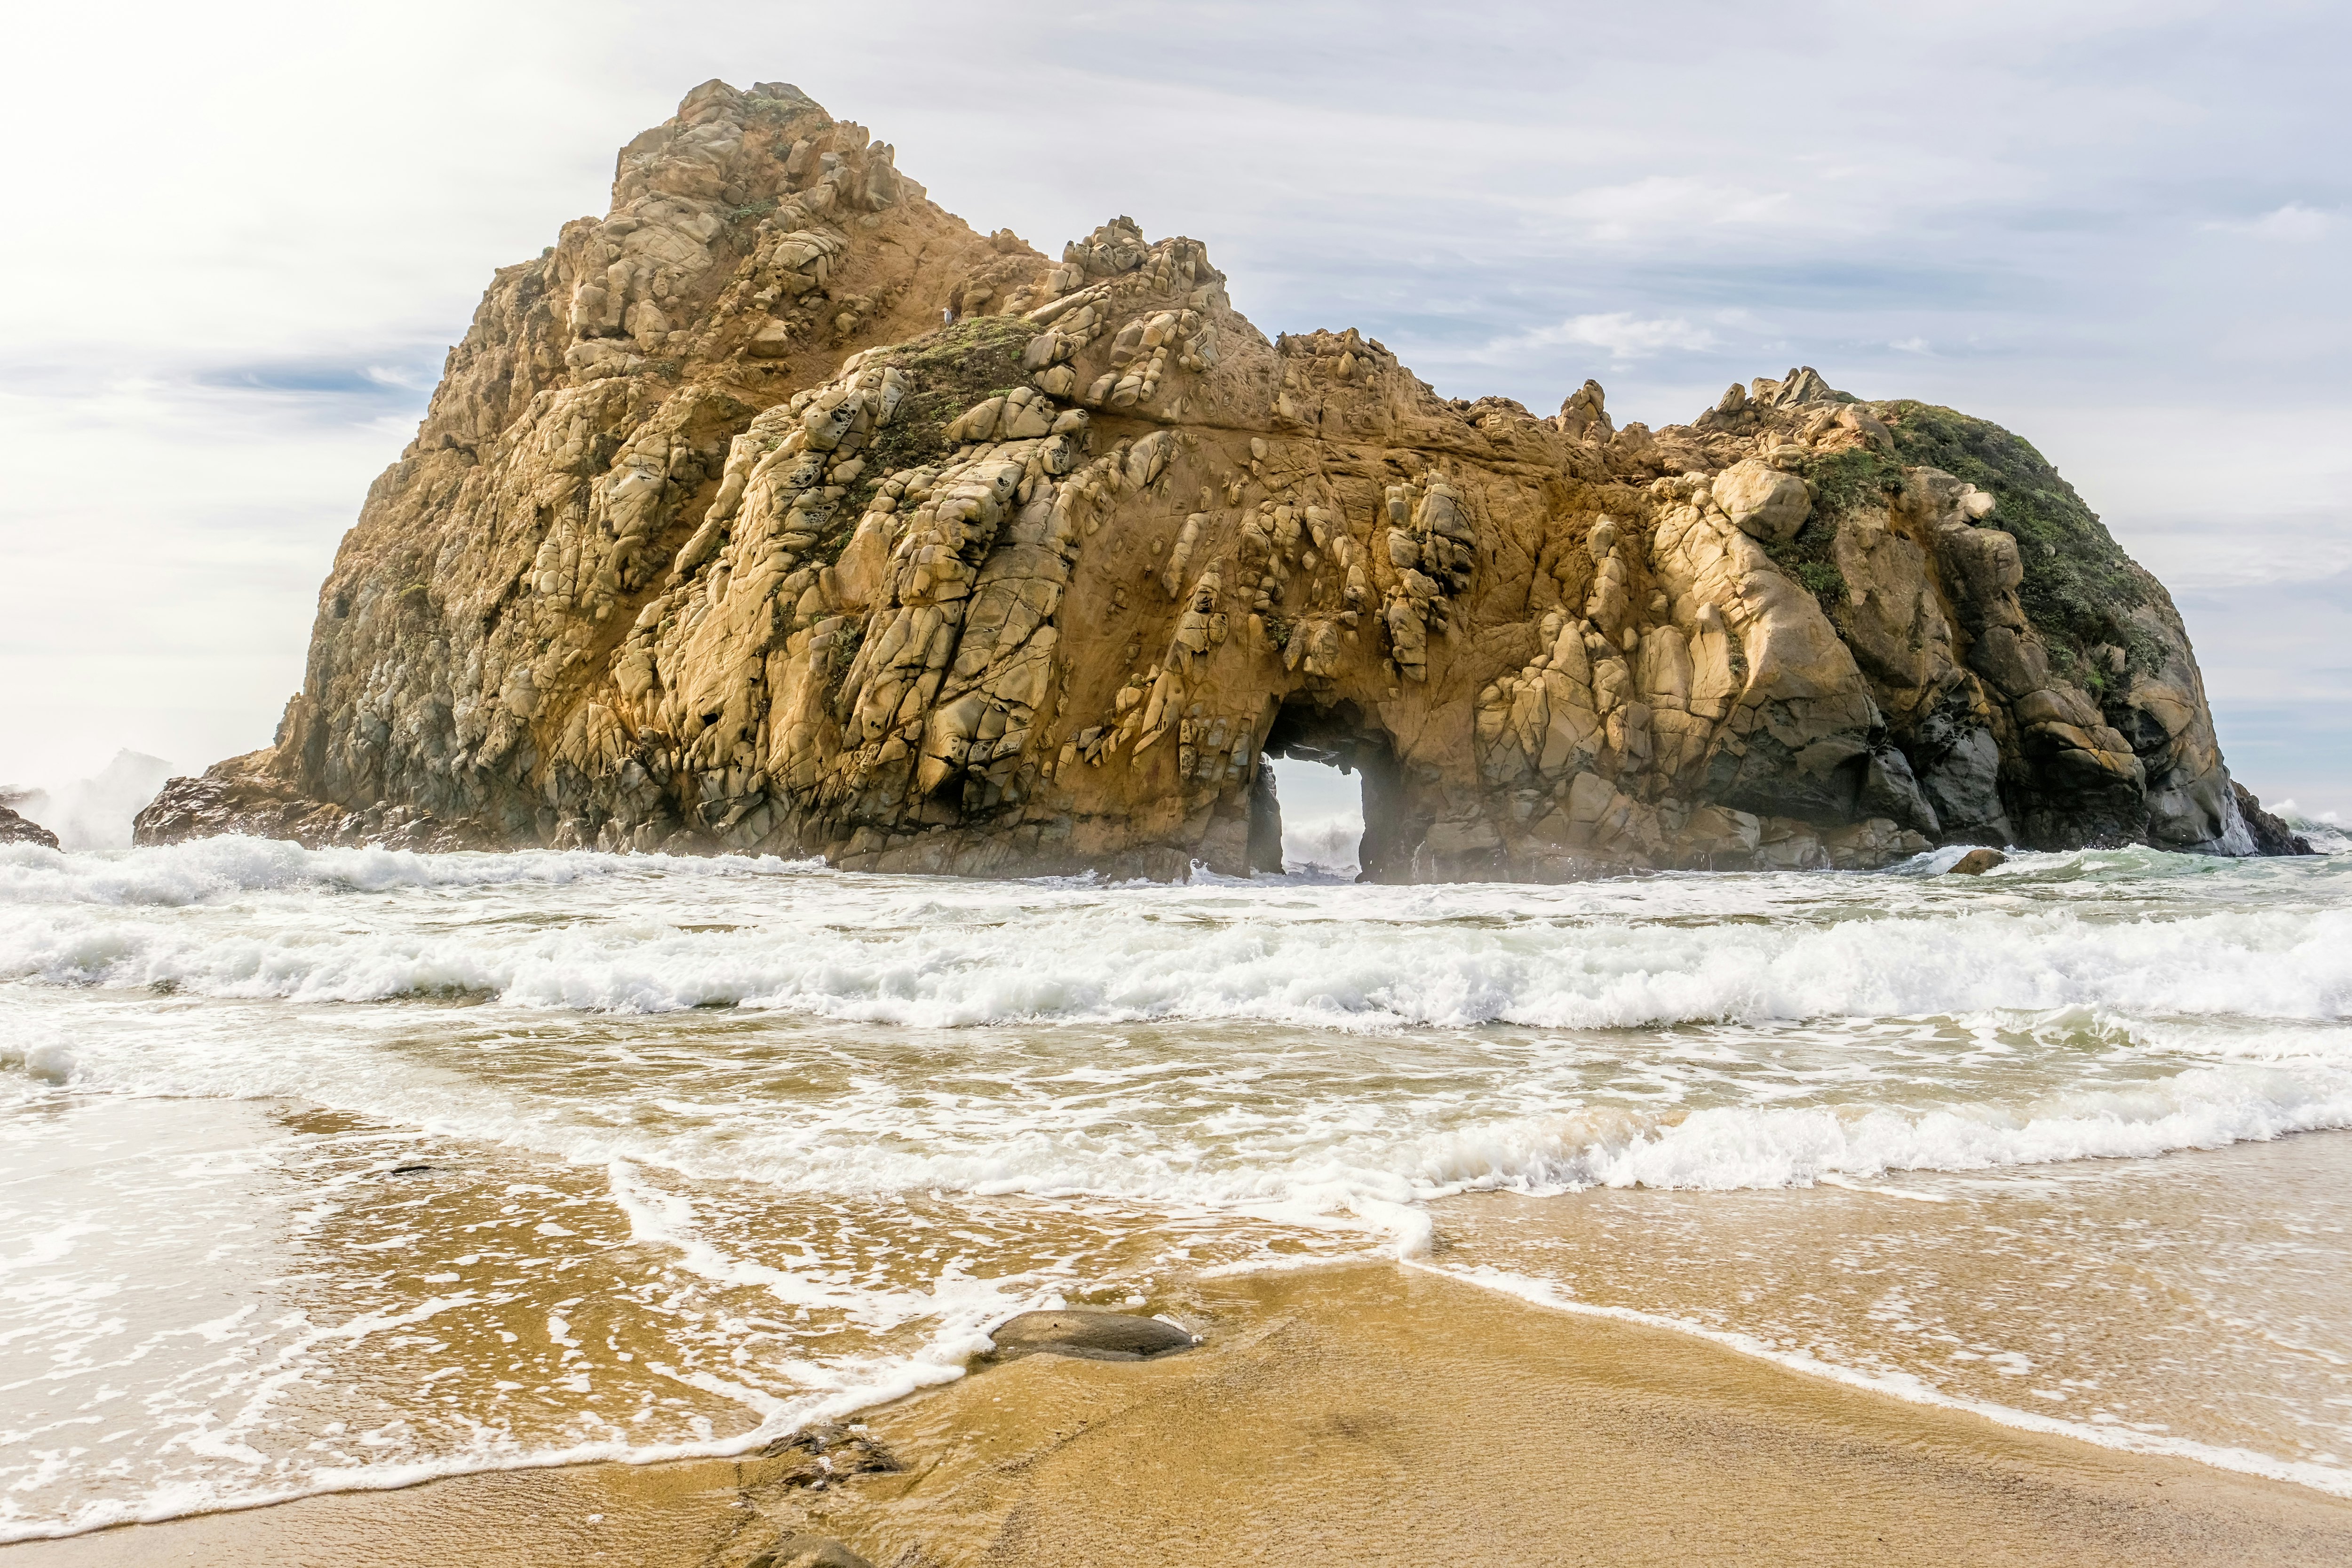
<point>350,1167</point>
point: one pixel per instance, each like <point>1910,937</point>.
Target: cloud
<point>1911,346</point>
<point>314,380</point>
<point>2292,222</point>
<point>1626,336</point>
<point>1667,203</point>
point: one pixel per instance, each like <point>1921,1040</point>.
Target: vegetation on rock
<point>2079,585</point>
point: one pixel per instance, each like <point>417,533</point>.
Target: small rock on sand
<point>809,1551</point>
<point>1097,1336</point>
<point>1977,862</point>
<point>827,1451</point>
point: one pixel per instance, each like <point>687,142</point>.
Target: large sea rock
<point>781,512</point>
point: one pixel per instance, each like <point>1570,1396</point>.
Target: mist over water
<point>348,1167</point>
<point>1322,817</point>
<point>94,812</point>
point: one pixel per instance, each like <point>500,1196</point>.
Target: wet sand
<point>1368,1414</point>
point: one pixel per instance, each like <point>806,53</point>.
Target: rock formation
<point>16,829</point>
<point>781,512</point>
<point>2271,834</point>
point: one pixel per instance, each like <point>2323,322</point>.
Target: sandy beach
<point>1367,1414</point>
<point>363,1229</point>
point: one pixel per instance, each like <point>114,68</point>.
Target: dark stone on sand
<point>824,1453</point>
<point>1092,1335</point>
<point>1977,862</point>
<point>809,1551</point>
<point>15,829</point>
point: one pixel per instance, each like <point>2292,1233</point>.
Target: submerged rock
<point>809,1551</point>
<point>1092,1335</point>
<point>828,1451</point>
<point>1977,862</point>
<point>779,511</point>
<point>15,829</point>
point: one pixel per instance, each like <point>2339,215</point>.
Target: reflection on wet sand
<point>1362,1414</point>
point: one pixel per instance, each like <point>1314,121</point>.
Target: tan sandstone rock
<point>18,829</point>
<point>779,510</point>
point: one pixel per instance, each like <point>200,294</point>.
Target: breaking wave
<point>787,939</point>
<point>211,869</point>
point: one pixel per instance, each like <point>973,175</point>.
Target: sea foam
<point>713,1042</point>
<point>1333,957</point>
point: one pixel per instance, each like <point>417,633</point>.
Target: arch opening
<point>1310,740</point>
<point>1321,820</point>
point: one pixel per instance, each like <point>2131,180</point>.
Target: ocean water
<point>343,1169</point>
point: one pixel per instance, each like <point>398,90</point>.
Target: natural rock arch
<point>780,512</point>
<point>1345,736</point>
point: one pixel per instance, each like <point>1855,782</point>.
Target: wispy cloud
<point>1626,336</point>
<point>1664,204</point>
<point>2292,222</point>
<point>320,379</point>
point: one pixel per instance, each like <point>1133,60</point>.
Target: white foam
<point>96,812</point>
<point>2324,831</point>
<point>1728,1148</point>
<point>1325,844</point>
<point>888,1380</point>
<point>213,869</point>
<point>2179,994</point>
<point>1338,956</point>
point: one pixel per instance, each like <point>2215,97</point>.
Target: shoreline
<point>1355,1412</point>
<point>1540,1293</point>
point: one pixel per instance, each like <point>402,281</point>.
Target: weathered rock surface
<point>1977,862</point>
<point>15,829</point>
<point>781,512</point>
<point>1089,1333</point>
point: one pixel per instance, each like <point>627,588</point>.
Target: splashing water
<point>351,1167</point>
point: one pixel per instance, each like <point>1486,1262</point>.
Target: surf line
<point>2325,1478</point>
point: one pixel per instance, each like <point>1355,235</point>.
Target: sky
<point>248,233</point>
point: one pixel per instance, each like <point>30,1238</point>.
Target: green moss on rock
<point>2080,587</point>
<point>1847,482</point>
<point>962,363</point>
<point>1842,483</point>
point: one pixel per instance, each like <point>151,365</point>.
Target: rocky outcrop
<point>252,796</point>
<point>2271,834</point>
<point>15,829</point>
<point>781,512</point>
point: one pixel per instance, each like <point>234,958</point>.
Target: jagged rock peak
<point>781,510</point>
